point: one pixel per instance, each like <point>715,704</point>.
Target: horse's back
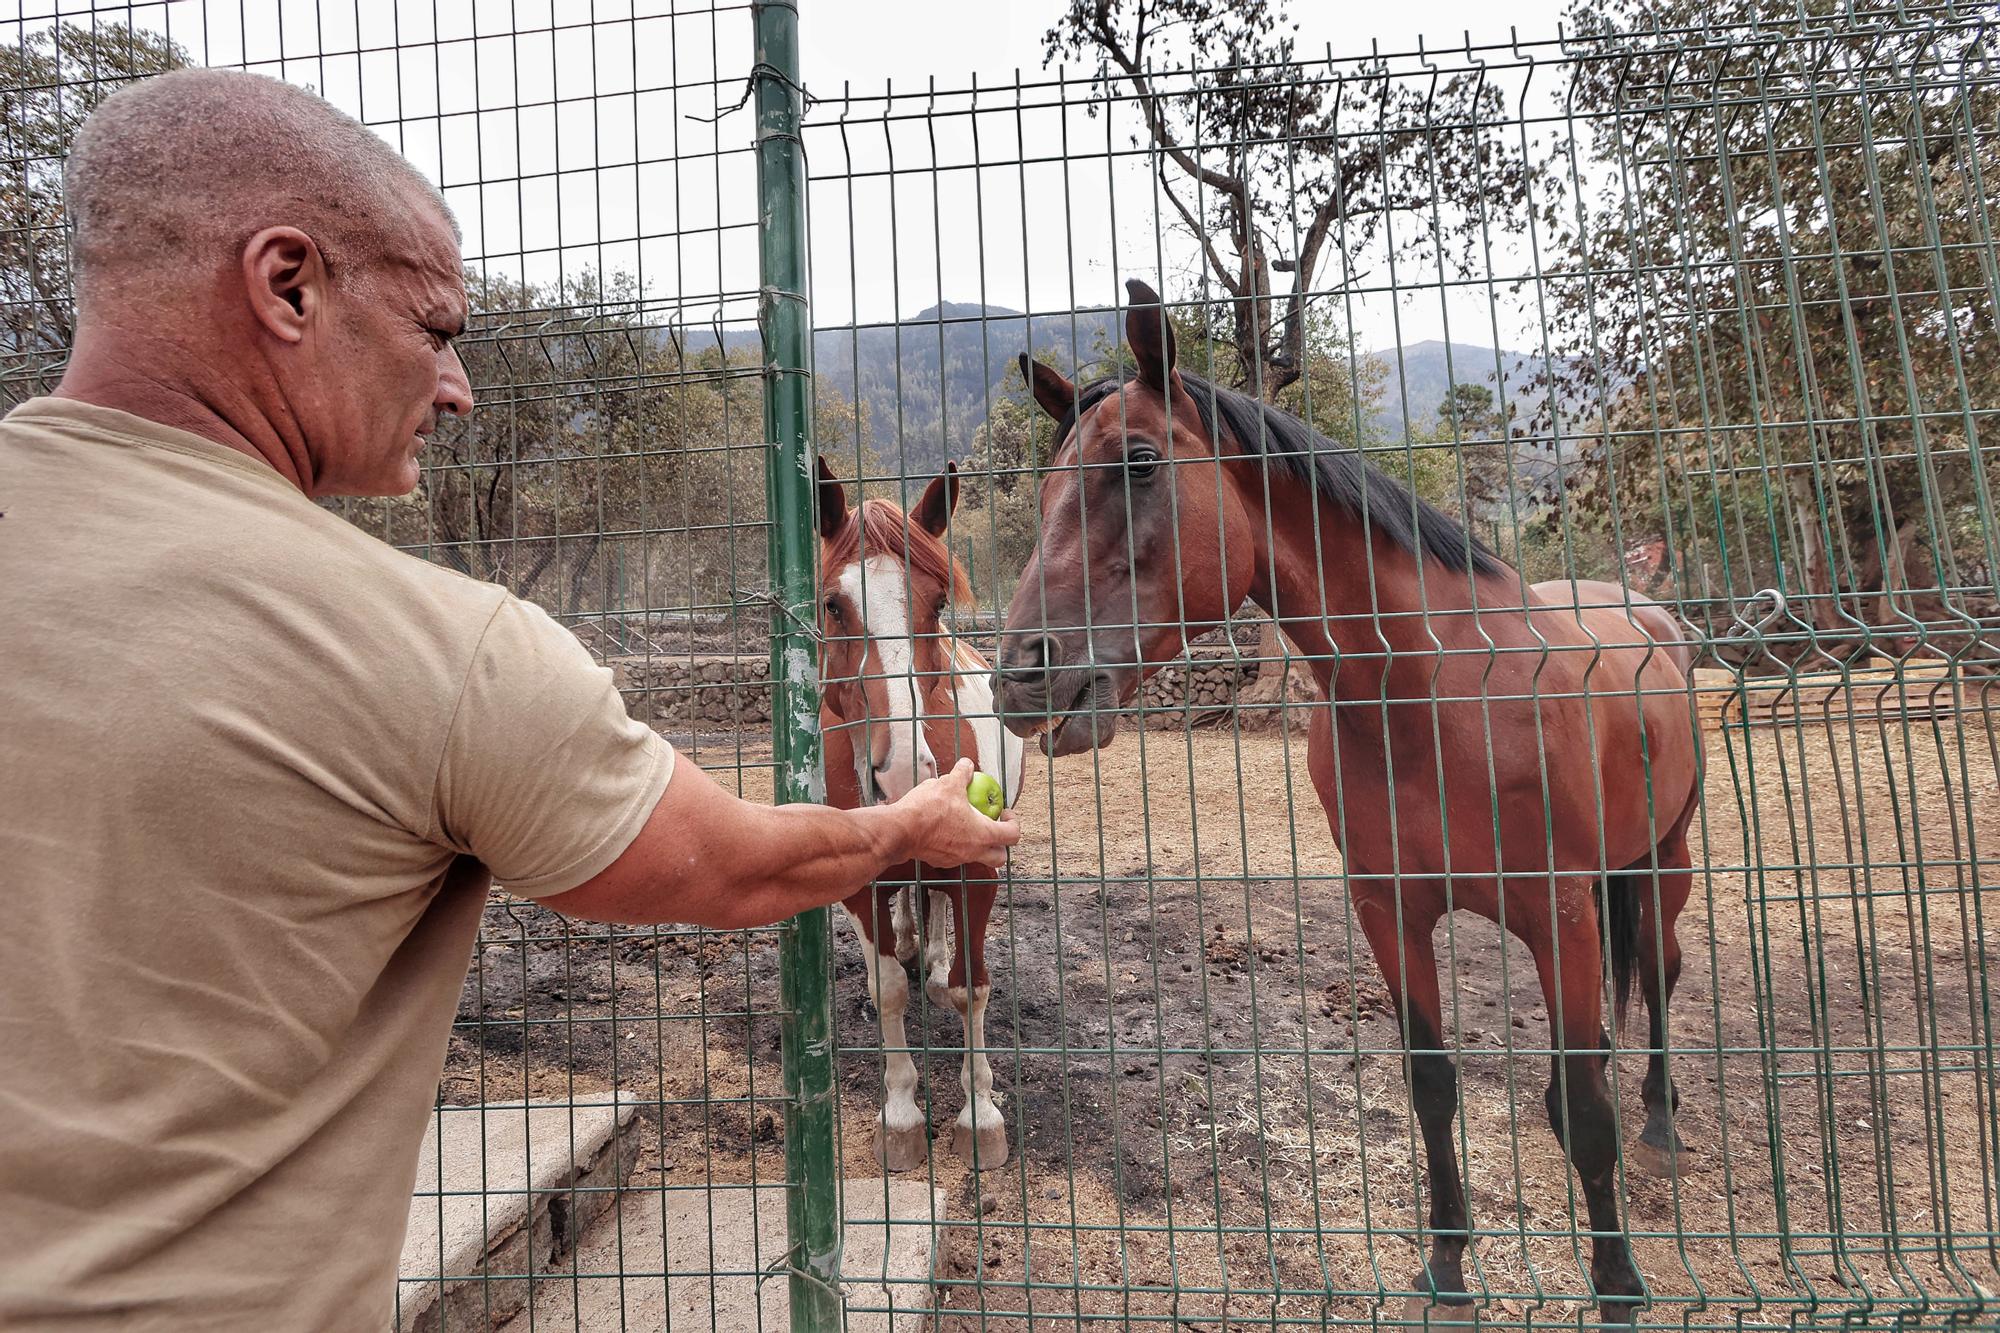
<point>1605,612</point>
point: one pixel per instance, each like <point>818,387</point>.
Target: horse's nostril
<point>1029,659</point>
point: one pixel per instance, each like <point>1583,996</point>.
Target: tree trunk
<point>1815,562</point>
<point>1275,685</point>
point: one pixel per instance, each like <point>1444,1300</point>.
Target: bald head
<point>258,268</point>
<point>168,178</point>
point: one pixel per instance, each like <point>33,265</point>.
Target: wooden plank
<point>1915,691</point>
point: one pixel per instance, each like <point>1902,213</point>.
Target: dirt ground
<point>1199,1065</point>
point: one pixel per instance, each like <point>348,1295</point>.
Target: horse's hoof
<point>992,1143</point>
<point>1664,1161</point>
<point>1446,1306</point>
<point>1618,1315</point>
<point>1442,1310</point>
<point>901,1149</point>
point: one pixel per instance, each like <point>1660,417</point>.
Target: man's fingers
<point>961,772</point>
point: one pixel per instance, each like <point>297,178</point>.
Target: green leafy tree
<point>607,458</point>
<point>999,514</point>
<point>1279,171</point>
<point>1466,412</point>
<point>1791,332</point>
<point>50,80</point>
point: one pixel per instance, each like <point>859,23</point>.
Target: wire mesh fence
<point>1605,421</point>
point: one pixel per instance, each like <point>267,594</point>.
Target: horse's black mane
<point>1335,470</point>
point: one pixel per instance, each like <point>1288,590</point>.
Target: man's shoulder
<point>201,500</point>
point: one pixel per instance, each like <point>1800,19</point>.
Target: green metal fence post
<point>812,1218</point>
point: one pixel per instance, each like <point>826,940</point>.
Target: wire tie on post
<point>766,600</point>
<point>759,70</point>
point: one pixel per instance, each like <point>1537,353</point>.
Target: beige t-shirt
<point>255,769</point>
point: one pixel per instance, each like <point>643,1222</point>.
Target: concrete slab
<point>691,1258</point>
<point>503,1191</point>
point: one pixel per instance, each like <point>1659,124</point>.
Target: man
<point>257,769</point>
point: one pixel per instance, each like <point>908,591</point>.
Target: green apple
<point>985,794</point>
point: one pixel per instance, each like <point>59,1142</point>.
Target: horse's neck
<point>1343,595</point>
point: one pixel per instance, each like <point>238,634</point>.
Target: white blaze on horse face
<point>1000,750</point>
<point>879,588</point>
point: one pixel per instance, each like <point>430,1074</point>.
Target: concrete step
<point>691,1257</point>
<point>503,1191</point>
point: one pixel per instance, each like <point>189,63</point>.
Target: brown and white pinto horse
<point>1522,753</point>
<point>902,700</point>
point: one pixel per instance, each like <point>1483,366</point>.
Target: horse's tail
<point>1621,927</point>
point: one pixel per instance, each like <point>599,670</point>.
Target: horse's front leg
<point>1401,942</point>
<point>902,1138</point>
<point>981,1133</point>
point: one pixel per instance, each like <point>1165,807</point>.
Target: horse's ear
<point>832,502</point>
<point>1149,335</point>
<point>1054,394</point>
<point>940,498</point>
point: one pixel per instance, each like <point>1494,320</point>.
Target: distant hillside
<point>926,382</point>
<point>1422,374</point>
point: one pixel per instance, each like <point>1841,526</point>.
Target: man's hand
<point>947,831</point>
<point>708,859</point>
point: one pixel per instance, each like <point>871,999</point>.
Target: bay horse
<point>1520,752</point>
<point>901,700</point>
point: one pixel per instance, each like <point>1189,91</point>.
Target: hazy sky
<point>872,40</point>
<point>1064,238</point>
<point>575,136</point>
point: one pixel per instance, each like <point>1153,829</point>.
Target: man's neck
<point>151,376</point>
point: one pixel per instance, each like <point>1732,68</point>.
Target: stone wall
<point>722,693</point>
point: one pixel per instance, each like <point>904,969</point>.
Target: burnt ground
<point>1198,1062</point>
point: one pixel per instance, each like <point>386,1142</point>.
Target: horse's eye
<point>1140,461</point>
<point>833,607</point>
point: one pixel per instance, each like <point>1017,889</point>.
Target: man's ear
<point>285,280</point>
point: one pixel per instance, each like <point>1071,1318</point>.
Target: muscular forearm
<point>706,858</point>
<point>800,857</point>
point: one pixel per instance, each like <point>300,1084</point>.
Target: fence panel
<point>1704,314</point>
<point>613,473</point>
<point>1692,313</point>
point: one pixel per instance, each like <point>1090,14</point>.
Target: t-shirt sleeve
<point>544,778</point>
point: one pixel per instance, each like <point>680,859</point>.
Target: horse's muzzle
<point>1038,692</point>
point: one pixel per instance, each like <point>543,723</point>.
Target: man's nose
<point>454,387</point>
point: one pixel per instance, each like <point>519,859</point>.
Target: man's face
<point>387,367</point>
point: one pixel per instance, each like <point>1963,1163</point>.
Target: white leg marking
<point>889,988</point>
<point>975,1078</point>
<point>904,914</point>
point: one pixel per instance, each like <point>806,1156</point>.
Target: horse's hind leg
<point>981,1133</point>
<point>1408,961</point>
<point>1579,1099</point>
<point>1661,900</point>
<point>902,1137</point>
